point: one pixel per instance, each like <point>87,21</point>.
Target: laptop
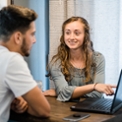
<point>102,105</point>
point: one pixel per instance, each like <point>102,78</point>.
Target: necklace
<point>78,64</point>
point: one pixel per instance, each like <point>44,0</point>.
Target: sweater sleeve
<point>99,74</point>
<point>63,89</point>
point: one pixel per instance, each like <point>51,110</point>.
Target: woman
<point>77,70</point>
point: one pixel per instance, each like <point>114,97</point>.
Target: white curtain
<point>3,3</point>
<point>59,11</point>
<point>105,19</point>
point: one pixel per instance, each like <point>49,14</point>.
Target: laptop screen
<point>118,94</point>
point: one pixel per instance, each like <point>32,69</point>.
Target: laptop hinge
<point>117,107</point>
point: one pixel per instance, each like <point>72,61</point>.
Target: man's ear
<point>18,37</point>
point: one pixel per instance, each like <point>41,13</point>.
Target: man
<point>17,35</point>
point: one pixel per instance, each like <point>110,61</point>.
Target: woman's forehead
<point>74,25</point>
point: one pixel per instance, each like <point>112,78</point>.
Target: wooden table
<point>61,109</point>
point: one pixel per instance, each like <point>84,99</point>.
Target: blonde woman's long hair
<point>63,53</point>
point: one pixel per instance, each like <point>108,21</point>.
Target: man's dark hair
<point>15,18</point>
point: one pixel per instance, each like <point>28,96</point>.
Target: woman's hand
<point>19,105</point>
<point>105,88</point>
<point>50,92</point>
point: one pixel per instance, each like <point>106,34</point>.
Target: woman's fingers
<point>50,92</point>
<point>105,88</point>
<point>109,90</point>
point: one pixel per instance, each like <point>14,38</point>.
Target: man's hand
<point>19,105</point>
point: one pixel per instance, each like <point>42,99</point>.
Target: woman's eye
<point>67,33</point>
<point>77,33</point>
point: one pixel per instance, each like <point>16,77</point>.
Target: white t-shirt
<point>15,80</point>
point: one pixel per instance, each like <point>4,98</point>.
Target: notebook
<point>102,105</point>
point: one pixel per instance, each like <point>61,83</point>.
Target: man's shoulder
<point>12,56</point>
<point>5,52</point>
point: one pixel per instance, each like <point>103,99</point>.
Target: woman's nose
<point>72,36</point>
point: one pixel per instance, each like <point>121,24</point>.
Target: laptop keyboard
<point>102,104</point>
